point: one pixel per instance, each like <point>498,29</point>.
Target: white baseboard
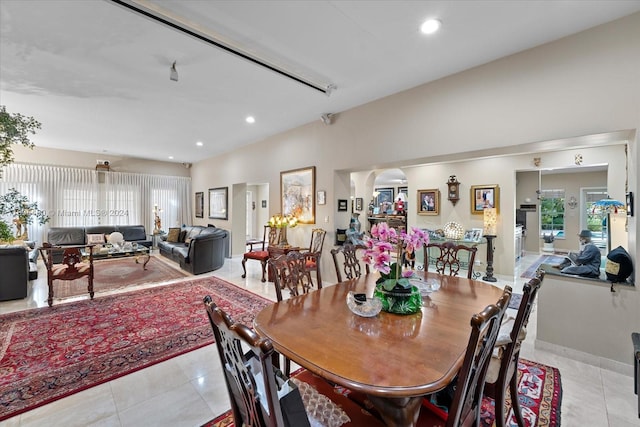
<point>589,359</point>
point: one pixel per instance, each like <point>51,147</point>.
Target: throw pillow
<point>95,239</point>
<point>183,235</point>
<point>174,235</point>
<point>187,241</point>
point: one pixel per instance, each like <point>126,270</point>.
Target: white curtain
<point>83,197</point>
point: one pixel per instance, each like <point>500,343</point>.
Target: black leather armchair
<point>14,264</point>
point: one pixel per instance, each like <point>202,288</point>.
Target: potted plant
<point>548,242</point>
<point>393,287</point>
<point>14,129</point>
<point>6,236</point>
<point>22,212</point>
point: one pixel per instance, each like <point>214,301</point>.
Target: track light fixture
<point>327,118</point>
<point>173,75</point>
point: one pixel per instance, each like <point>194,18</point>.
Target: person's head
<point>585,236</point>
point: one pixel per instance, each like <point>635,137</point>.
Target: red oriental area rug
<point>49,353</point>
<point>540,394</point>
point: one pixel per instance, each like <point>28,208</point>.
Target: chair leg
<point>264,271</point>
<point>50,298</point>
<point>90,286</point>
<point>515,403</point>
<point>319,277</point>
<point>244,268</point>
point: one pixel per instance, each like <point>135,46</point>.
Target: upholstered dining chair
<point>313,254</point>
<point>448,260</point>
<point>503,367</point>
<point>72,267</point>
<point>259,406</point>
<point>270,237</point>
<point>467,396</point>
<point>345,260</point>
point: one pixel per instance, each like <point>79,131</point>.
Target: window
<point>552,212</point>
<point>593,219</point>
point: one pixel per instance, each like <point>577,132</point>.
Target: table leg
<point>146,260</point>
<point>401,412</point>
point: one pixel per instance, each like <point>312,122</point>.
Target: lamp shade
<point>490,221</point>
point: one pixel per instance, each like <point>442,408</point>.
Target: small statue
<point>157,222</point>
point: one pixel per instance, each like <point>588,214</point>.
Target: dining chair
<point>448,260</point>
<point>349,264</point>
<point>288,272</point>
<point>469,385</point>
<point>503,366</point>
<point>270,237</point>
<point>313,254</point>
<point>73,265</point>
<point>253,393</point>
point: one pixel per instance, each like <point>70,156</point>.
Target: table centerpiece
<point>394,286</point>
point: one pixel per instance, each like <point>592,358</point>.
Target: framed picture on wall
<point>322,197</point>
<point>384,200</point>
<point>342,205</point>
<point>429,202</point>
<point>484,196</point>
<point>264,203</point>
<point>359,203</point>
<point>218,199</point>
<point>200,204</point>
<point>298,194</point>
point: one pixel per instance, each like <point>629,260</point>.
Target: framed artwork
<point>385,199</point>
<point>359,203</point>
<point>322,197</point>
<point>404,190</point>
<point>264,203</point>
<point>298,192</point>
<point>342,205</point>
<point>473,235</point>
<point>218,200</point>
<point>200,204</point>
<point>428,202</point>
<point>484,196</point>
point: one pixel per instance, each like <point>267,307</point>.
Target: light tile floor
<point>189,390</point>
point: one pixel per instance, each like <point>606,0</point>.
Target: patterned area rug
<point>49,353</point>
<point>530,273</point>
<point>540,394</point>
<point>118,273</point>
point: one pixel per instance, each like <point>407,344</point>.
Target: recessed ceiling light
<point>170,157</point>
<point>199,143</point>
<point>430,26</point>
<point>250,119</point>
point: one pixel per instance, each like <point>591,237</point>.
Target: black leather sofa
<point>14,265</point>
<point>71,236</point>
<point>198,249</point>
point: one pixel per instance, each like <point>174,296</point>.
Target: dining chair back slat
<point>345,260</point>
<point>448,260</point>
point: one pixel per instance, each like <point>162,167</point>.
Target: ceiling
<point>96,75</point>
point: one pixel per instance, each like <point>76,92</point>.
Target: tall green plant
<point>21,210</point>
<point>14,129</point>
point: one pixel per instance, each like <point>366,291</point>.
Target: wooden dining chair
<point>503,367</point>
<point>314,253</point>
<point>469,385</point>
<point>242,381</point>
<point>288,272</point>
<point>448,260</point>
<point>74,265</point>
<point>345,260</point>
<point>270,237</point>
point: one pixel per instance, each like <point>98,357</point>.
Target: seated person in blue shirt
<point>586,263</point>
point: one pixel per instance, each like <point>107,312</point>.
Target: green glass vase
<point>399,301</point>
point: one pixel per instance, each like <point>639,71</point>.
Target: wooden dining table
<point>394,359</point>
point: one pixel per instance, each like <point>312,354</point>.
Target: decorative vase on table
<point>393,287</point>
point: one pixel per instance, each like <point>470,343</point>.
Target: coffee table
<point>113,252</point>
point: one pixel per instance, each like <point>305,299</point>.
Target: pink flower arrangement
<point>382,242</point>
